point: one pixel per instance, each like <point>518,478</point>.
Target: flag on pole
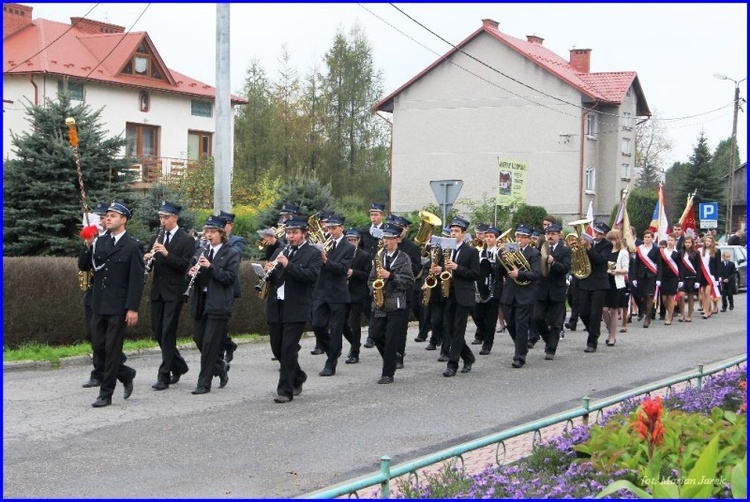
<point>628,235</point>
<point>590,216</point>
<point>659,224</point>
<point>687,220</point>
<point>620,218</point>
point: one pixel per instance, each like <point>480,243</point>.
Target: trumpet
<point>260,244</point>
<point>201,253</point>
<point>280,231</point>
<point>262,286</point>
<point>150,263</point>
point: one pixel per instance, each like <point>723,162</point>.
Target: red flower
<point>649,424</point>
<point>743,408</point>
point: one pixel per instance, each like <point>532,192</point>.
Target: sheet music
<point>258,269</point>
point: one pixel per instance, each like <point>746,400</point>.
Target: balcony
<point>151,170</point>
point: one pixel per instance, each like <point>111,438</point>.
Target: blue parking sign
<point>708,213</point>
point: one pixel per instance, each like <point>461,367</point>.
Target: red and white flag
<point>590,216</point>
<point>659,224</point>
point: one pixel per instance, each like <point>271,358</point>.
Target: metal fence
<point>388,472</point>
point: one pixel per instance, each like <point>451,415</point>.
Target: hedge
<point>42,303</point>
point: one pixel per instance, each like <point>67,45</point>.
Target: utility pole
<point>223,138</point>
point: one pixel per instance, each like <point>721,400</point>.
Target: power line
<point>55,40</point>
<point>119,41</point>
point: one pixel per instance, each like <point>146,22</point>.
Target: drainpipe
<point>36,89</point>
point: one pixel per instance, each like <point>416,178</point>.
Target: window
<point>626,146</point>
<point>199,145</point>
<point>74,89</point>
<point>590,180</point>
<point>592,126</point>
<point>625,172</point>
<point>627,121</point>
<point>201,108</point>
<point>143,63</point>
<point>143,140</point>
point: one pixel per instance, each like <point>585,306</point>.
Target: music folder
<point>258,269</point>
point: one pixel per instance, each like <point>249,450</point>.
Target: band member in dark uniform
<point>392,276</point>
<point>117,261</point>
<point>270,243</point>
<point>211,299</point>
<point>647,274</point>
<point>289,304</point>
<point>369,243</point>
<point>549,308</point>
<point>518,299</point>
<point>170,257</point>
<point>478,243</point>
<point>331,294</point>
<point>489,289</point>
<point>238,244</point>
<point>464,267</point>
<point>437,306</point>
<point>594,288</point>
<point>358,272</point>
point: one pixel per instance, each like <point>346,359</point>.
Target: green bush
<point>53,314</point>
<point>530,216</point>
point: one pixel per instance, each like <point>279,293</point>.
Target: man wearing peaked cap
<point>169,255</point>
<point>592,289</point>
<point>489,288</point>
<point>369,242</point>
<point>288,210</point>
<point>237,243</point>
<point>117,262</point>
<point>359,270</point>
<point>518,291</point>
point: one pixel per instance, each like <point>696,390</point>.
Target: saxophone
<point>430,281</point>
<point>378,295</point>
<point>446,275</point>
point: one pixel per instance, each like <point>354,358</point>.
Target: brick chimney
<point>580,59</point>
<point>15,18</point>
<point>534,39</point>
<point>489,23</point>
<point>95,27</point>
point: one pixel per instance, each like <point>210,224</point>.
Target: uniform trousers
<point>108,332</point>
<point>164,318</point>
<point>401,349</point>
<point>209,335</point>
<point>386,333</point>
<point>548,317</point>
<point>592,305</point>
<point>353,327</point>
<point>285,346</point>
<point>518,320</point>
<point>325,315</point>
<point>573,296</point>
<point>454,333</point>
<point>486,315</point>
<point>437,325</point>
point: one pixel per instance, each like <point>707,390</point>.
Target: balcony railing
<point>150,170</point>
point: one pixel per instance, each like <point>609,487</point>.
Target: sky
<point>676,49</point>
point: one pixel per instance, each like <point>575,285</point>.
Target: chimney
<point>580,59</point>
<point>95,27</point>
<point>534,39</point>
<point>489,23</point>
<point>15,18</point>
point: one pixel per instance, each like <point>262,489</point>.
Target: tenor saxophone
<point>446,275</point>
<point>378,295</point>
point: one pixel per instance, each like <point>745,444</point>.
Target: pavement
<point>236,443</point>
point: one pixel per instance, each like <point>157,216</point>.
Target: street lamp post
<point>730,192</point>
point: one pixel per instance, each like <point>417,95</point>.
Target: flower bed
<point>641,444</point>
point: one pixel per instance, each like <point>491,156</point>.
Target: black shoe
<point>484,352</point>
<point>327,372</point>
<point>92,382</point>
<point>431,346</point>
<point>466,368</point>
<point>316,351</point>
<point>531,345</point>
<point>229,355</point>
<point>176,377</point>
<point>160,386</point>
<point>731,308</point>
<point>549,357</point>
<point>443,358</point>
<point>101,402</point>
<point>282,399</point>
<point>201,390</point>
<point>640,317</point>
<point>562,334</point>
<point>128,386</point>
<point>449,372</point>
<point>399,362</point>
<point>610,344</point>
<point>296,391</point>
<point>517,364</point>
<point>571,327</point>
<point>385,380</point>
<point>589,349</point>
<point>352,360</point>
<point>477,341</point>
<point>420,339</point>
<point>723,310</point>
<point>224,378</point>
<point>369,343</point>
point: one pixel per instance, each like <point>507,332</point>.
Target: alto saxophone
<point>378,295</point>
<point>430,281</point>
<point>446,275</point>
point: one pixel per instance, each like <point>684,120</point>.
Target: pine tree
<point>703,174</point>
<point>308,193</point>
<point>42,202</point>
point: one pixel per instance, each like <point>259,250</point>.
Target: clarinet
<point>200,254</point>
<point>150,262</point>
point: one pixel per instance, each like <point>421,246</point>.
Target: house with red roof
<point>167,117</point>
<point>513,119</point>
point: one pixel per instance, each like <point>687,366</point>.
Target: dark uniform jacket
<point>332,286</point>
<point>523,295</point>
<point>361,266</point>
<point>170,280</point>
<point>465,275</point>
<point>368,242</point>
<point>553,287</point>
<point>219,280</point>
<point>238,243</point>
<point>728,271</point>
<point>118,282</point>
<point>598,255</point>
<point>299,278</point>
<point>414,254</point>
<point>641,271</point>
<point>397,285</point>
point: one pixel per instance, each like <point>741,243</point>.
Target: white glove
<point>658,283</point>
<point>696,285</point>
<point>680,285</point>
<point>635,283</point>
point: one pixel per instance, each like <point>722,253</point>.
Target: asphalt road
<point>237,443</point>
